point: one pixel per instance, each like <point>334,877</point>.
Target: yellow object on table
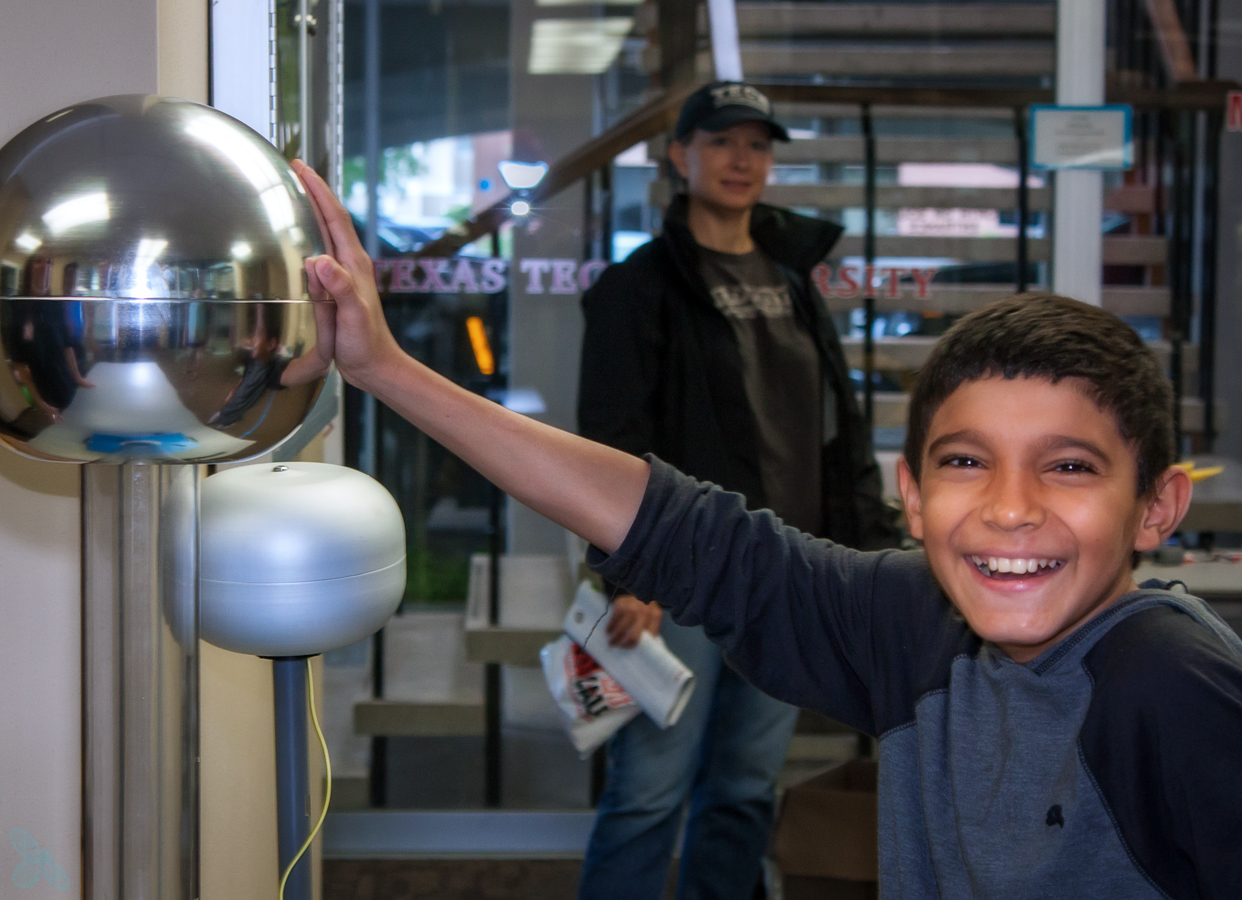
<point>1198,474</point>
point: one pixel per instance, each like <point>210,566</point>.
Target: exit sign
<point>1233,111</point>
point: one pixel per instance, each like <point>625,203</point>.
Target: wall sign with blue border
<point>1082,137</point>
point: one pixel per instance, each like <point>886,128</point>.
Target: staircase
<point>945,178</point>
<point>942,234</point>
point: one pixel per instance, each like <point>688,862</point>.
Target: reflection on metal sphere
<point>153,304</point>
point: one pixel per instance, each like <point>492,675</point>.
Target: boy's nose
<point>1013,502</point>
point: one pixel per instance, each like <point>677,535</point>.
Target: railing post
<point>492,759</point>
<point>1024,196</point>
<point>1207,295</point>
<point>869,270</point>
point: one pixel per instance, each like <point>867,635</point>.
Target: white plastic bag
<point>658,681</point>
<point>592,704</point>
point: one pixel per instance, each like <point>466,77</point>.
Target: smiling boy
<point>1046,728</point>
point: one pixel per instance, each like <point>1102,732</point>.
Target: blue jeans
<point>722,756</point>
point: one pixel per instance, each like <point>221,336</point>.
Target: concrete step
<point>986,59</point>
<point>1131,200</point>
<point>430,688</point>
<point>1130,250</point>
<point>882,112</point>
<point>764,60</point>
<point>962,298</point>
<point>535,592</point>
<point>784,19</point>
<point>846,196</point>
<point>851,149</point>
<point>401,718</point>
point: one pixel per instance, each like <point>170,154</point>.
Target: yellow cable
<point>327,765</point>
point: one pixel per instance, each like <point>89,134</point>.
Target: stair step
<point>880,112</point>
<point>961,249</point>
<point>846,196</point>
<point>963,298</point>
<point>408,718</point>
<point>780,19</point>
<point>825,748</point>
<point>1129,200</point>
<point>1128,250</point>
<point>513,646</point>
<point>535,592</point>
<point>761,59</point>
<point>851,149</point>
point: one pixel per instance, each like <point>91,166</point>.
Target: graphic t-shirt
<point>781,373</point>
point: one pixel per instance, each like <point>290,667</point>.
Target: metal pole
<point>140,775</point>
<point>1207,306</point>
<point>492,759</point>
<point>304,82</point>
<point>292,778</point>
<point>1177,278</point>
<point>1079,195</point>
<point>868,270</point>
<point>605,212</point>
<point>368,414</point>
<point>588,216</point>
<point>371,104</point>
<point>1024,197</point>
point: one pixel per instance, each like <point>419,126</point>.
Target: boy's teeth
<point>1005,565</point>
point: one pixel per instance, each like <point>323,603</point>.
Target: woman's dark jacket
<point>662,372</point>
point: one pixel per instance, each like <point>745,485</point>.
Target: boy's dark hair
<point>1038,335</point>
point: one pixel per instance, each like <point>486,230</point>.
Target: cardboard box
<point>825,840</point>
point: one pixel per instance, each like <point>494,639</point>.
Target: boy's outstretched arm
<point>592,490</point>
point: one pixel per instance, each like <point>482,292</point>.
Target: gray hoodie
<point>1109,766</point>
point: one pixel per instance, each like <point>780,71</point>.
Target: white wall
<point>54,53</point>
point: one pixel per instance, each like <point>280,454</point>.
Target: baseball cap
<point>723,104</point>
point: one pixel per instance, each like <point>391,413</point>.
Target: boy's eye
<point>1074,466</point>
<point>959,461</point>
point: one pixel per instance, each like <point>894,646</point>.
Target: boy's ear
<point>1164,509</point>
<point>911,499</point>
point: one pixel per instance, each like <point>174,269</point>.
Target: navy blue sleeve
<point>857,636</point>
<point>1163,741</point>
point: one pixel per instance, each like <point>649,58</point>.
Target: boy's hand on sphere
<point>358,332</point>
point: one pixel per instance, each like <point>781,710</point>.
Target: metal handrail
<point>659,115</point>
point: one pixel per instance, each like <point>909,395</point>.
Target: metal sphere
<point>153,304</point>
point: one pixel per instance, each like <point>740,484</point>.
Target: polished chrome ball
<point>153,304</point>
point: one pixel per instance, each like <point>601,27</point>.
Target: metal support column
<point>1024,198</point>
<point>869,270</point>
<point>140,775</point>
<point>292,776</point>
<point>1078,196</point>
<point>492,748</point>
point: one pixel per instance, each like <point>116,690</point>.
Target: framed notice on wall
<point>1081,137</point>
